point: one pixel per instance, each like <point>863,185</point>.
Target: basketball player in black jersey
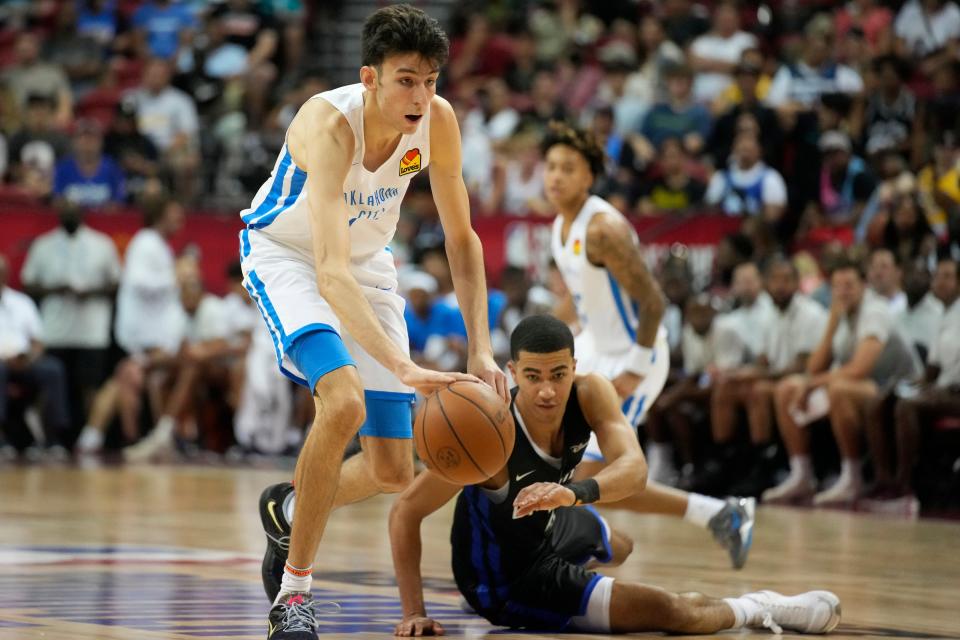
<point>523,541</point>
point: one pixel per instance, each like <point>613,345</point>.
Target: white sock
<point>295,581</point>
<point>850,474</point>
<point>91,439</point>
<point>701,508</point>
<point>745,612</point>
<point>164,428</point>
<point>288,506</point>
<point>801,467</point>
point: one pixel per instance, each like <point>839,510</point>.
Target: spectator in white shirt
<point>928,31</point>
<point>748,187</point>
<point>24,363</point>
<point>859,356</point>
<point>714,55</point>
<point>73,271</point>
<point>148,325</point>
<point>936,397</point>
<point>168,116</point>
<point>200,362</point>
<point>920,321</point>
<point>795,329</point>
<point>884,277</point>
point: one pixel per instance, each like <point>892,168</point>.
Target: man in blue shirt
<point>162,26</point>
<point>87,177</point>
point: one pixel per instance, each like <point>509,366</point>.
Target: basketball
<point>464,432</point>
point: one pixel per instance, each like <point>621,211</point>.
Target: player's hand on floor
<point>542,496</point>
<point>626,383</point>
<point>426,381</point>
<point>485,368</point>
<point>418,626</point>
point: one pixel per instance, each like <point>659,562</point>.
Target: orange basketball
<point>464,432</point>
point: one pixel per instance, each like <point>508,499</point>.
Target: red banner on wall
<point>506,240</point>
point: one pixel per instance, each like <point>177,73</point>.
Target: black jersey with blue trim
<point>490,547</point>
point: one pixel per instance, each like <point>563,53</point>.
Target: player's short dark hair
<point>401,28</point>
<point>581,141</point>
<point>540,334</point>
<point>780,260</point>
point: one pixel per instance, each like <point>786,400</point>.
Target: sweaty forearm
<point>344,295</point>
<point>470,283</point>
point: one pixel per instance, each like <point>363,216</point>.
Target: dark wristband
<point>586,491</point>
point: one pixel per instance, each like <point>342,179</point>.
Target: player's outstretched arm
<point>324,137</point>
<point>425,495</point>
<point>626,472</point>
<point>463,247</point>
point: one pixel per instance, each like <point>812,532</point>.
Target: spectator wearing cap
<point>674,189</point>
<point>676,117</point>
<point>426,315</point>
<point>23,361</point>
<point>918,407</point>
<point>861,354</point>
<point>890,113</point>
<point>683,20</point>
<point>137,154</point>
<point>748,187</point>
<point>88,178</point>
<point>798,86</point>
<point>168,116</point>
<point>163,28</point>
<point>36,147</point>
<point>746,102</point>
<point>73,272</point>
<point>928,32</point>
<point>31,76</point>
<point>846,183</point>
<point>715,54</point>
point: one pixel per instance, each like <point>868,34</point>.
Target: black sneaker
<point>277,529</point>
<point>293,618</point>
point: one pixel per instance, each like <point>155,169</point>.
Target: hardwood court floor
<point>174,552</point>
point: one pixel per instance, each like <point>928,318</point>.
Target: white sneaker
<point>810,612</point>
<point>157,443</point>
<point>795,487</point>
<point>842,493</point>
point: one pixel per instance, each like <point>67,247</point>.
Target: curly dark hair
<point>583,142</point>
<point>402,28</point>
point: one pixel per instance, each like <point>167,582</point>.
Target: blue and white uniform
<point>280,270</point>
<point>608,317</point>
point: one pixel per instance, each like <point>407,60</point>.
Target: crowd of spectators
<point>829,131</point>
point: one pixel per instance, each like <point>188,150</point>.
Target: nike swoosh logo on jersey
<point>521,476</point>
<point>577,448</point>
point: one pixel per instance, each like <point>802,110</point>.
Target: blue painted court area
<point>168,601</point>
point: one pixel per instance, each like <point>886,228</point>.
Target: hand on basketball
<point>626,383</point>
<point>484,367</point>
<point>426,381</point>
<point>542,496</point>
<point>418,626</point>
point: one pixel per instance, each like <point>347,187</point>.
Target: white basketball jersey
<point>280,208</point>
<point>608,316</point>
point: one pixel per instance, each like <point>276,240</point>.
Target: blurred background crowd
<point>823,134</point>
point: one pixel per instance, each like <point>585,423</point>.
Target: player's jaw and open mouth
<point>413,118</point>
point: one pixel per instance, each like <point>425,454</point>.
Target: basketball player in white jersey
<point>316,260</point>
<point>619,307</point>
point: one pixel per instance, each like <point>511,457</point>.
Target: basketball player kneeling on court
<point>525,539</point>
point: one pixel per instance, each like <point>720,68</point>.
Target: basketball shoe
<point>277,529</point>
<point>810,612</point>
<point>732,527</point>
<point>293,618</point>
